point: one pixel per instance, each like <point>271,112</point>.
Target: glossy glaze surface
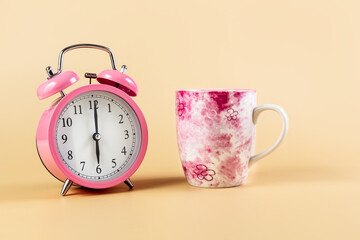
<point>215,135</point>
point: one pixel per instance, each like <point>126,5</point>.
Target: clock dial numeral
<point>123,151</point>
<point>77,109</point>
<point>113,161</point>
<point>66,122</point>
<point>83,165</point>
<point>98,169</point>
<point>109,107</point>
<point>64,138</point>
<point>70,156</point>
<point>126,134</point>
<point>95,104</point>
<point>121,118</point>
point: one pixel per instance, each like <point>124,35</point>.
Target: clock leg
<point>129,183</point>
<point>66,187</point>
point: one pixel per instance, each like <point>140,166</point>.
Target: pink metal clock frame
<point>45,139</point>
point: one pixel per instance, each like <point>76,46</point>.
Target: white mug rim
<point>216,90</point>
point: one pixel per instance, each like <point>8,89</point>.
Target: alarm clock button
<point>119,80</point>
<point>56,83</point>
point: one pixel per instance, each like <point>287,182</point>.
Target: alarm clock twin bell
<point>96,135</point>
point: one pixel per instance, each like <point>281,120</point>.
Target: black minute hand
<point>96,116</point>
<point>96,135</point>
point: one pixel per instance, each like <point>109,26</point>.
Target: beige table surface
<point>282,203</point>
<point>301,55</point>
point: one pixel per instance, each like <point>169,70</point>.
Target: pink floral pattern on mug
<point>180,108</point>
<point>232,114</point>
<point>203,173</point>
<point>215,135</point>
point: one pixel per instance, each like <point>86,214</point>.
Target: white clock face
<point>98,136</point>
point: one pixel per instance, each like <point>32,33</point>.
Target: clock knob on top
<point>119,80</point>
<point>56,83</point>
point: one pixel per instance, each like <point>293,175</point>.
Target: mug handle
<point>285,125</point>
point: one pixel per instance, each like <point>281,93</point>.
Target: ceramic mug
<point>216,134</point>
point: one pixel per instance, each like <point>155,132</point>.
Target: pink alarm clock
<point>96,135</point>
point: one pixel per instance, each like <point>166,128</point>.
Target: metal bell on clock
<point>119,80</point>
<point>56,83</point>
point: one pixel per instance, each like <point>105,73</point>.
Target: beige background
<point>303,55</point>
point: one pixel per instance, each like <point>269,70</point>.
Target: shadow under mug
<point>216,134</point>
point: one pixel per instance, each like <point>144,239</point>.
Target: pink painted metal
<point>42,143</point>
<point>45,138</point>
<point>118,79</point>
<point>215,135</point>
<point>56,84</point>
